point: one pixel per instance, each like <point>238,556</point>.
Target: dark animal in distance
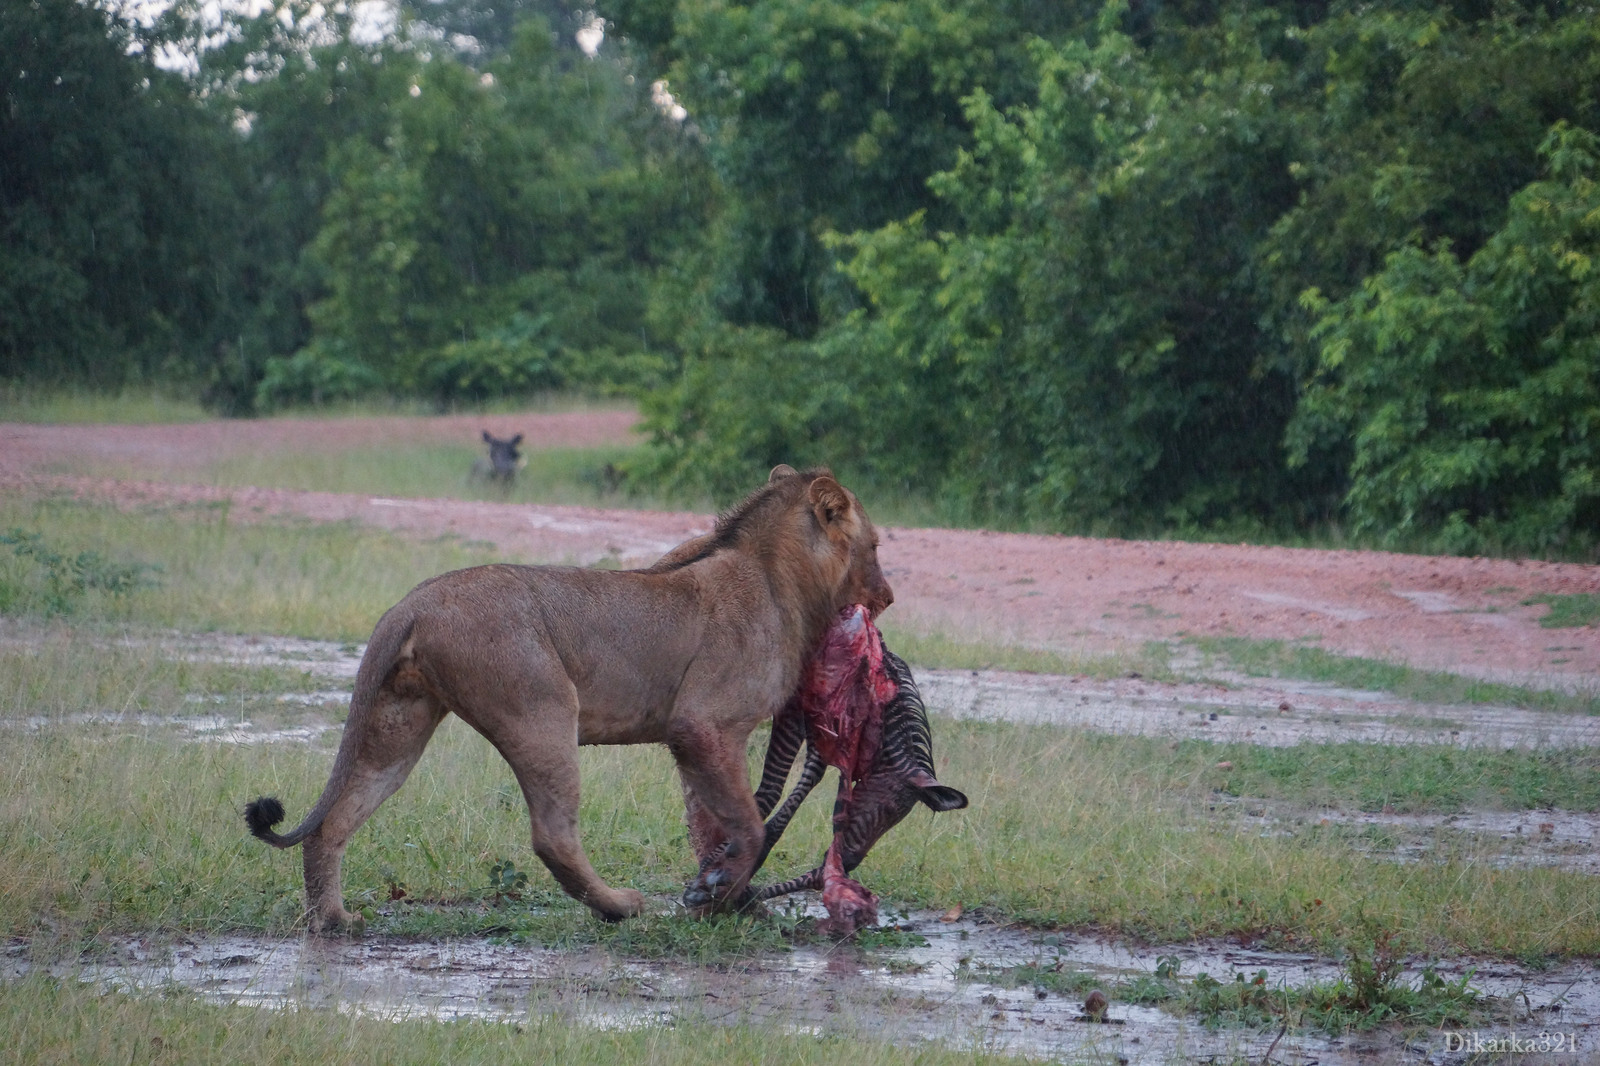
<point>502,462</point>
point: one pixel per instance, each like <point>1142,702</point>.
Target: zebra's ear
<point>942,798</point>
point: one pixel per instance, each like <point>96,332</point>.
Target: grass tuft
<point>1277,658</point>
<point>1579,609</point>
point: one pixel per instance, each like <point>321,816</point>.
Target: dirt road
<point>1071,594</point>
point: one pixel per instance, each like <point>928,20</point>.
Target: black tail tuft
<point>262,815</point>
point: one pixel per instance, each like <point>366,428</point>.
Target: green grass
<point>326,580</point>
<point>22,402</point>
<point>941,652</point>
<point>1371,991</point>
<point>1566,612</point>
<point>60,671</point>
<point>1277,658</point>
<point>1409,779</point>
<point>49,1021</point>
<point>133,828</point>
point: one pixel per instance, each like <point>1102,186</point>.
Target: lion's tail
<point>390,636</point>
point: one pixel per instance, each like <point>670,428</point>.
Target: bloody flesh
<point>843,689</point>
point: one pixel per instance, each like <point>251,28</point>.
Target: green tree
<point>1470,386</point>
<point>1072,335</point>
<point>113,185</point>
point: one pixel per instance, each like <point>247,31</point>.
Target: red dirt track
<point>1071,594</point>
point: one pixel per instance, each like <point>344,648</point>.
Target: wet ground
<point>1226,707</point>
<point>947,987</point>
<point>948,982</point>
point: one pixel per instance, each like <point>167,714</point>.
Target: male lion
<point>691,653</point>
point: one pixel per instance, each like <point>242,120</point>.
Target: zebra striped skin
<point>901,776</point>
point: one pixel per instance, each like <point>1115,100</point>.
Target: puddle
<point>933,992</point>
<point>319,658</point>
<point>1280,714</point>
<point>1567,840</point>
<point>1276,713</point>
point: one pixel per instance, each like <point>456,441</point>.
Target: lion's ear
<point>828,500</point>
<point>781,470</point>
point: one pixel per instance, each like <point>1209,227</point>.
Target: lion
<point>693,653</point>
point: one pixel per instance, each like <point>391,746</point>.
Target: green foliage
<point>823,115</point>
<point>313,376</point>
<point>302,217</point>
<point>66,579</point>
<point>1073,266</point>
<point>496,233</point>
<point>506,881</point>
<point>1094,319</point>
<point>506,364</point>
<point>1469,388</point>
<point>1373,991</point>
<point>106,181</point>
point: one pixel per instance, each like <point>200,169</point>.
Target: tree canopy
<point>1131,266</point>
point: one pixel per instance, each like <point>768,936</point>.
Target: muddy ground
<point>944,988</point>
<point>1073,595</point>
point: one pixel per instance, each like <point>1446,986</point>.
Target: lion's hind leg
<point>395,730</point>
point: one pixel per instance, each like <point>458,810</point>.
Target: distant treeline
<point>463,208</point>
<point>1124,267</point>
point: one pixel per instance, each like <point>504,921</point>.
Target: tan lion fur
<point>692,653</point>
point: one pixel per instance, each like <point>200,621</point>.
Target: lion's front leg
<point>725,826</point>
<point>705,832</point>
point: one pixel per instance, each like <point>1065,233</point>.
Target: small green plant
<point>1568,612</point>
<point>1242,1001</point>
<point>506,881</point>
<point>67,578</point>
<point>1372,991</point>
<point>889,938</point>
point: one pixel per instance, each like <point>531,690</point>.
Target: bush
<point>314,376</point>
<point>1471,391</point>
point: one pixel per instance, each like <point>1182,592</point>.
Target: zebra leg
<point>811,880</point>
<point>788,733</point>
<point>810,774</point>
